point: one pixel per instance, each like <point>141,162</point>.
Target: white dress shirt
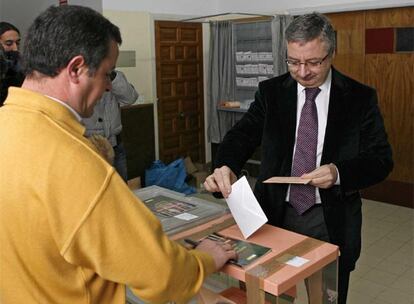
<point>322,106</point>
<point>78,117</point>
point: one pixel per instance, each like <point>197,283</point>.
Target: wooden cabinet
<point>138,138</point>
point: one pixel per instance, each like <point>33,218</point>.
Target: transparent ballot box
<point>176,211</point>
<point>276,266</point>
<point>318,288</point>
<point>298,269</point>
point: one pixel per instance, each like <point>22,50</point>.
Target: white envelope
<point>244,207</point>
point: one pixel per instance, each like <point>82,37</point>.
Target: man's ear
<point>75,68</point>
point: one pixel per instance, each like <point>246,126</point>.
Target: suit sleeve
<point>373,162</point>
<point>244,137</point>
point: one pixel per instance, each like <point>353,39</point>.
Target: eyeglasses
<point>314,63</point>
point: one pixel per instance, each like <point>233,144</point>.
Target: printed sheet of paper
<point>297,261</point>
<point>244,207</point>
<point>287,180</point>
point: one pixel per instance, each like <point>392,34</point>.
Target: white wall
<point>137,30</point>
<point>94,4</point>
<point>13,12</point>
<point>206,54</point>
<point>21,13</point>
<point>210,7</point>
<point>1,9</point>
<point>304,6</point>
<point>172,7</point>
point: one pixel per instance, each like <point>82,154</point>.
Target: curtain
<point>220,81</point>
<point>279,24</point>
<point>221,73</point>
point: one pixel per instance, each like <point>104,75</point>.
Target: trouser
<point>312,224</point>
<point>120,161</point>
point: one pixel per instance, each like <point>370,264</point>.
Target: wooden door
<point>179,62</point>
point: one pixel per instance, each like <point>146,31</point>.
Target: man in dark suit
<point>350,150</point>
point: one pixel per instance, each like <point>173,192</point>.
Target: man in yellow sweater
<point>70,229</point>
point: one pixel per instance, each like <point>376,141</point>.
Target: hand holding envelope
<point>287,180</point>
<point>244,207</point>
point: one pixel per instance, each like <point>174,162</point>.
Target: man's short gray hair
<point>308,27</point>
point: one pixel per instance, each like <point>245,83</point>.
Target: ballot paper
<point>287,180</point>
<point>244,207</point>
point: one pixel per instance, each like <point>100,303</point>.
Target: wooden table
<point>270,274</point>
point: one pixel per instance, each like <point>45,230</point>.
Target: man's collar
<point>78,117</point>
<point>35,101</point>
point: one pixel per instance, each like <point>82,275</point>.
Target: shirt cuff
<point>338,179</point>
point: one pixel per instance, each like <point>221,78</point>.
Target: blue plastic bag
<point>171,176</point>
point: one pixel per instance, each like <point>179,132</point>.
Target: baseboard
<point>392,192</point>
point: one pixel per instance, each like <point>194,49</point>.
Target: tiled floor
<point>385,270</point>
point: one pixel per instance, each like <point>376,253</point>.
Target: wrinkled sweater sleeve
<point>122,241</point>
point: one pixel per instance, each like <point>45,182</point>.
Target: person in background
<point>71,231</point>
<point>317,124</point>
<point>3,63</point>
<point>10,42</point>
<point>3,71</point>
<point>106,118</point>
<point>9,37</point>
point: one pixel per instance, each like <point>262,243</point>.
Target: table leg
<point>314,288</point>
<point>254,290</point>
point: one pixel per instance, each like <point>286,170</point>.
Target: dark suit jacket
<point>355,141</point>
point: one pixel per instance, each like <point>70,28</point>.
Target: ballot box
<point>176,211</point>
<point>271,277</point>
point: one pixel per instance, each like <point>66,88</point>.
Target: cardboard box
<point>134,183</point>
<point>197,172</point>
<point>199,177</point>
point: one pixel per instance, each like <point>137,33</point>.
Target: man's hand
<point>220,251</point>
<point>220,181</point>
<point>323,177</point>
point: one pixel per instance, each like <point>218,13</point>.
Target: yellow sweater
<point>70,229</point>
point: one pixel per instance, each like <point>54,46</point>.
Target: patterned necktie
<point>302,197</point>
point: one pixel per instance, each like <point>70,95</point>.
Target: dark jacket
<point>355,141</point>
<point>11,74</point>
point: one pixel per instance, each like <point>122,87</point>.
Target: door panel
<point>180,90</point>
